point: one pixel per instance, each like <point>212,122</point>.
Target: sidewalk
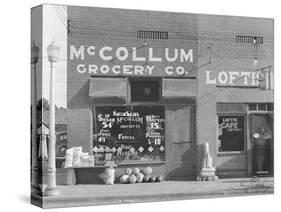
<point>85,195</point>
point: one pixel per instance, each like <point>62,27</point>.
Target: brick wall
<point>117,28</point>
<point>212,37</point>
<point>218,33</point>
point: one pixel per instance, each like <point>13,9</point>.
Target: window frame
<point>245,132</point>
<point>257,110</point>
<point>148,103</point>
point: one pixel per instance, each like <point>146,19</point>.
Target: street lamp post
<point>34,146</point>
<point>53,56</point>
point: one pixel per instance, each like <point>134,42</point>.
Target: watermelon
<point>140,177</point>
<point>152,179</point>
<point>145,179</point>
<point>128,171</point>
<point>124,178</point>
<point>147,171</point>
<point>136,171</point>
<point>132,179</point>
<point>159,179</point>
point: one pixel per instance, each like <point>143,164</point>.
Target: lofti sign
<point>233,78</point>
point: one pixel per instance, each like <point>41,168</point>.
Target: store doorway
<point>179,140</point>
<point>261,134</point>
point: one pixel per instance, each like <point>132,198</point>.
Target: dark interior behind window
<point>230,133</point>
<point>145,90</point>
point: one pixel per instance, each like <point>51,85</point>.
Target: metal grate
<point>141,34</point>
<point>249,39</point>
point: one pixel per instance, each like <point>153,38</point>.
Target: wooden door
<point>179,134</point>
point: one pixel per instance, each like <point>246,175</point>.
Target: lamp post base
<point>36,190</point>
<point>51,192</point>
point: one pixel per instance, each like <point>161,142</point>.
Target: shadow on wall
<point>81,99</point>
<point>229,165</point>
<point>235,165</point>
<point>182,166</point>
<point>181,159</point>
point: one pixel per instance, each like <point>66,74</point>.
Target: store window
<point>231,133</point>
<point>129,133</point>
<point>145,90</point>
<point>260,107</point>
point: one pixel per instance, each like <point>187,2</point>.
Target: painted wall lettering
<point>107,60</point>
<point>232,78</point>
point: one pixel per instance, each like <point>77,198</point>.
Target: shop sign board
<point>232,78</point>
<point>115,49</point>
<point>131,61</point>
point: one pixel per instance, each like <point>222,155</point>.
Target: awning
<point>174,88</point>
<point>244,95</point>
<point>108,87</point>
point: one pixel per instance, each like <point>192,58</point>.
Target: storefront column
<point>206,119</point>
<point>53,52</point>
<point>34,145</point>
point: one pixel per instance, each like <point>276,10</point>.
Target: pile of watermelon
<point>136,175</point>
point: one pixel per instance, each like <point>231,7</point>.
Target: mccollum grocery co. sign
<point>131,61</point>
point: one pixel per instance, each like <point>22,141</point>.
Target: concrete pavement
<point>85,195</point>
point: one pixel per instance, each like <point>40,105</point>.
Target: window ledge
<point>124,163</point>
<point>231,153</point>
<point>137,162</point>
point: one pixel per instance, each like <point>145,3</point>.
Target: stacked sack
<point>74,157</point>
<point>135,175</point>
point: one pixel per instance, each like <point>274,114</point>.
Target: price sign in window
<point>129,133</point>
<point>230,133</point>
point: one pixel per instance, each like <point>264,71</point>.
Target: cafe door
<point>180,122</point>
<point>261,134</point>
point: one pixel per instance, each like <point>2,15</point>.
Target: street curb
<point>63,201</point>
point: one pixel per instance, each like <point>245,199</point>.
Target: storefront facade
<point>150,88</point>
<point>230,92</point>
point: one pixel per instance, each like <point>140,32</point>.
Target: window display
<point>129,133</point>
<point>230,133</point>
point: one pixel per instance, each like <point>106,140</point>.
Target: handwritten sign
<point>231,133</point>
<point>131,130</point>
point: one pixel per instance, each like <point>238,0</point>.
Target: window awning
<point>108,87</point>
<point>244,95</point>
<point>174,88</point>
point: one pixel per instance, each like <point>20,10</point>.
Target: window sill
<point>124,163</point>
<point>139,162</point>
<point>231,153</point>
